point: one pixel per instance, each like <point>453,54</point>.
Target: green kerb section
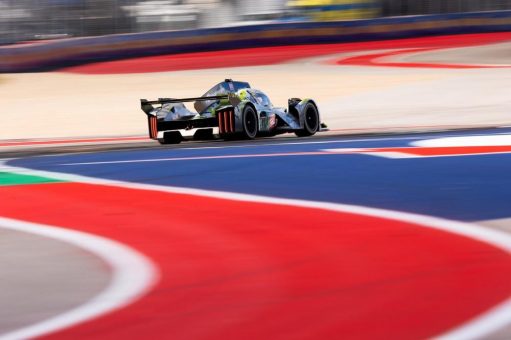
<point>9,178</point>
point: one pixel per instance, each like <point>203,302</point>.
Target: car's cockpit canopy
<point>261,98</point>
<point>219,89</point>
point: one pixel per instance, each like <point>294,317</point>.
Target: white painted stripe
<point>351,140</point>
<point>404,154</point>
<point>283,154</point>
<point>372,152</point>
<point>483,325</point>
<point>301,142</point>
<point>391,155</point>
<point>305,142</point>
<point>133,276</point>
<point>484,140</point>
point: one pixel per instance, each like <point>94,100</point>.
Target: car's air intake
<point>226,121</point>
<point>153,127</point>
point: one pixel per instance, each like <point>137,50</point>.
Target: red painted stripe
<point>244,270</point>
<point>71,141</point>
<point>446,151</point>
<point>373,59</point>
<point>274,55</point>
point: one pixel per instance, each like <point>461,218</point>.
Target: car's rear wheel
<point>311,121</point>
<point>171,137</point>
<point>250,123</point>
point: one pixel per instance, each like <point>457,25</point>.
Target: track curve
<point>270,267</point>
<point>237,265</point>
<point>241,274</point>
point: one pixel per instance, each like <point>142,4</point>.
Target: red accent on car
<point>226,122</point>
<point>231,120</point>
<point>220,123</point>
<point>153,127</point>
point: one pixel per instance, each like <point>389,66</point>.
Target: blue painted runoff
<point>467,188</point>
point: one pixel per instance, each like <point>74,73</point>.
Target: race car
<point>229,110</point>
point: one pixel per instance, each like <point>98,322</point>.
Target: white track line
<point>486,140</point>
<point>413,136</point>
<point>351,140</point>
<point>133,275</point>
<point>175,159</point>
<point>393,155</point>
<point>482,325</point>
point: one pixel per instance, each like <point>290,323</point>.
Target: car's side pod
<point>292,109</point>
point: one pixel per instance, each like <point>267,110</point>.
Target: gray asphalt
<point>41,278</point>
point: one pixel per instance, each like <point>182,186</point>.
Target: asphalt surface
<point>433,186</point>
<point>43,277</point>
<point>472,188</point>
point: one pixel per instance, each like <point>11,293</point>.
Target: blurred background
<point>29,20</point>
<point>374,67</point>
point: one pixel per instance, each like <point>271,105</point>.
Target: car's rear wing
<point>182,100</point>
<point>147,105</point>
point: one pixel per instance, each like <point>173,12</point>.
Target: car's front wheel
<point>311,121</point>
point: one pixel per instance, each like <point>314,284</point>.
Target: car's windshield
<point>261,98</point>
<point>216,90</point>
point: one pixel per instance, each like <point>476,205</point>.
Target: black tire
<point>203,134</point>
<point>250,122</point>
<point>171,138</point>
<point>311,121</point>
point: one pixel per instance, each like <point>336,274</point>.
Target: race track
<point>315,263</point>
<point>399,235</point>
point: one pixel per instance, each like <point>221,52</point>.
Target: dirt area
<point>63,105</point>
<point>49,105</point>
